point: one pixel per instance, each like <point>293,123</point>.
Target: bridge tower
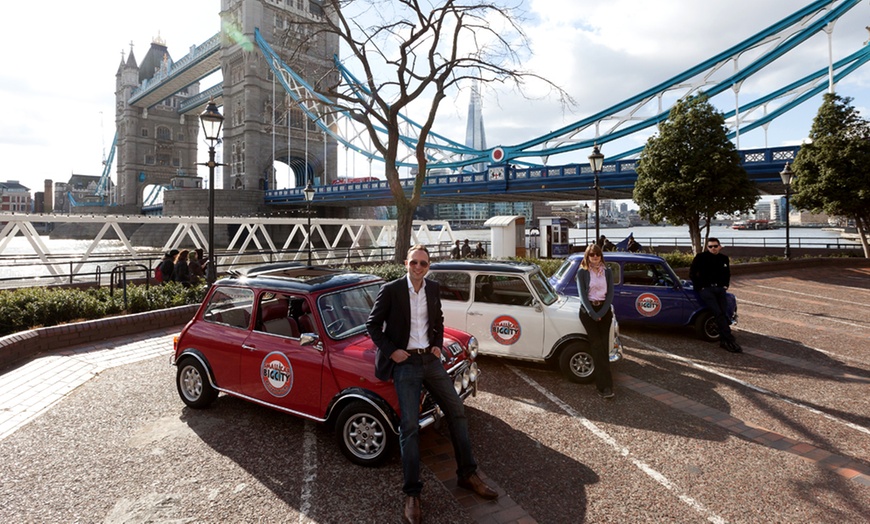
<point>262,124</point>
<point>155,144</point>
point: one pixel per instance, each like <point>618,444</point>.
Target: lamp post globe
<point>787,176</point>
<point>308,193</point>
<point>596,162</point>
<point>211,121</point>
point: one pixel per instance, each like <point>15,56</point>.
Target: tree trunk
<point>404,227</point>
<point>861,225</point>
<point>695,235</point>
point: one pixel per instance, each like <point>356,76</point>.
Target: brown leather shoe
<point>411,515</point>
<point>473,483</point>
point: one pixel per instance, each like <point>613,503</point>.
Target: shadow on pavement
<point>549,485</point>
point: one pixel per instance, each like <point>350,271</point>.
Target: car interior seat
<point>306,319</point>
<point>275,319</point>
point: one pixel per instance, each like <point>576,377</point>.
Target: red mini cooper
<point>293,338</point>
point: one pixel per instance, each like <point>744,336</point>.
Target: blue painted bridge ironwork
<point>506,183</point>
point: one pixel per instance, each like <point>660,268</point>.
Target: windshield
<point>563,269</point>
<point>545,291</point>
<point>345,312</point>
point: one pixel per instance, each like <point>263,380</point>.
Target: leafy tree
<point>412,54</point>
<point>690,171</point>
<point>832,172</point>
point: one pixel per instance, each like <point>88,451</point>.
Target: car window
<point>276,316</point>
<point>563,270</point>
<point>454,286</point>
<point>500,289</point>
<point>614,271</point>
<point>545,291</point>
<point>647,275</point>
<point>231,306</point>
<point>345,312</point>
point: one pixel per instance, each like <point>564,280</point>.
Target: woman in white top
<point>595,284</point>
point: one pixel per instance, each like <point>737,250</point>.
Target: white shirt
<point>419,317</point>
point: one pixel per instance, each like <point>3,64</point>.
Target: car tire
<point>193,384</point>
<point>363,435</point>
<point>576,363</point>
<point>706,328</point>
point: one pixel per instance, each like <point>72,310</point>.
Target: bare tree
<point>412,54</point>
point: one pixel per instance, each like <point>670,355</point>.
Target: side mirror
<point>308,339</point>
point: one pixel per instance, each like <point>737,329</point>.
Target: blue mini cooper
<point>646,290</point>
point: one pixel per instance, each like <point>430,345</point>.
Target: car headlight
<point>473,372</point>
<point>472,347</point>
<point>465,378</point>
<point>457,384</point>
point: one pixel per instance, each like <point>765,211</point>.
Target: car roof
<point>622,256</point>
<point>501,266</point>
<point>296,277</point>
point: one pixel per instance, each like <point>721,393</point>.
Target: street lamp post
<point>211,121</point>
<point>308,193</point>
<point>787,175</point>
<point>586,217</point>
<point>596,161</point>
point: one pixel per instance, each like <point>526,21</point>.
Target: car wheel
<point>576,363</point>
<point>193,385</point>
<point>363,435</point>
<point>706,328</point>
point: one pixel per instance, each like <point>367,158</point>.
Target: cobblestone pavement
<point>780,433</point>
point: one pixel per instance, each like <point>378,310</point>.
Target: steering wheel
<point>335,326</point>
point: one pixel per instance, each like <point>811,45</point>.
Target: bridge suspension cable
<point>634,114</point>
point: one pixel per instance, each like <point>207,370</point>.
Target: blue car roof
<point>622,256</point>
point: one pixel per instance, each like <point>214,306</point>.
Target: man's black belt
<point>418,351</point>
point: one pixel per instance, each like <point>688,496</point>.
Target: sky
<point>57,78</point>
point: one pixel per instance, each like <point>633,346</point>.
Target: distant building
<point>80,191</point>
<point>15,198</point>
<point>806,218</point>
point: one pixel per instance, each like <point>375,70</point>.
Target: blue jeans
<point>409,378</point>
<point>714,298</point>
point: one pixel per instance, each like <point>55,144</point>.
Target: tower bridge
<point>270,118</point>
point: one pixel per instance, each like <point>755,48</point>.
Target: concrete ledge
<point>28,344</point>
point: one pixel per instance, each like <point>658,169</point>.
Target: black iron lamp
<point>212,121</point>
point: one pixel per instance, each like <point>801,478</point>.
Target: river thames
<point>18,259</point>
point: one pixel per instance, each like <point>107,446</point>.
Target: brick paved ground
<point>778,339</point>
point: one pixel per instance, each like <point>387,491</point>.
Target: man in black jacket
<point>407,325</point>
<point>711,276</point>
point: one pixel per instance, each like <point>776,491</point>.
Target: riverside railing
<point>30,270</point>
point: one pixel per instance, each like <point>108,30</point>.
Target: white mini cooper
<point>513,311</point>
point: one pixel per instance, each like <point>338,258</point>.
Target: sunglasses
<point>422,263</point>
<point>594,254</point>
<point>713,246</point>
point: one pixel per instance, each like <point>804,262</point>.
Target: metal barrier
<point>123,279</point>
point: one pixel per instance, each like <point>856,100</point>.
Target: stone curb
<point>25,345</point>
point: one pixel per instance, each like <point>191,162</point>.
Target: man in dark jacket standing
<point>711,276</point>
<point>407,325</point>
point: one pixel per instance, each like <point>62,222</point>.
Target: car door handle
<point>474,314</point>
<point>249,348</point>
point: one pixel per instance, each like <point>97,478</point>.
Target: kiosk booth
<point>508,236</point>
<point>554,237</point>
